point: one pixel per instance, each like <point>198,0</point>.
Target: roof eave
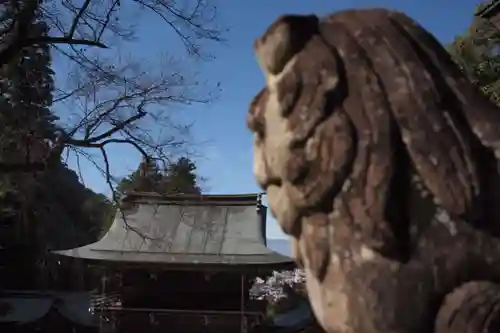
<point>133,196</point>
<point>284,263</point>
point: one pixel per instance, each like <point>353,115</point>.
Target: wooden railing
<point>125,320</point>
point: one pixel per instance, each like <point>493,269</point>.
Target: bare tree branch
<point>90,22</point>
<point>110,100</point>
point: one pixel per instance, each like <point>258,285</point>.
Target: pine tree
<point>36,213</point>
<point>476,52</point>
<point>27,88</point>
<point>146,178</point>
<point>27,122</point>
<point>180,177</point>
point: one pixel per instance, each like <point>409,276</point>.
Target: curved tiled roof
<point>186,230</point>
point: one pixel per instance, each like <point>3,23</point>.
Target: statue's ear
<point>282,40</point>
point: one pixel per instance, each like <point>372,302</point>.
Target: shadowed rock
<point>378,158</point>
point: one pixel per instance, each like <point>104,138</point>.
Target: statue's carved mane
<point>359,108</point>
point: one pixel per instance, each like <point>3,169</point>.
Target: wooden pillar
<point>242,304</point>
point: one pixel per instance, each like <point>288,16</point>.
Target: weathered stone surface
<point>473,307</point>
<point>379,161</point>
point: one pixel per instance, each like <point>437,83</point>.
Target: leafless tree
<point>110,98</point>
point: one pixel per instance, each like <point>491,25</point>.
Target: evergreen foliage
<point>39,211</point>
<point>179,177</point>
<point>477,53</point>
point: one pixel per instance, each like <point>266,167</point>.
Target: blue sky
<point>226,155</point>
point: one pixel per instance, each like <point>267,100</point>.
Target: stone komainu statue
<point>378,158</point>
